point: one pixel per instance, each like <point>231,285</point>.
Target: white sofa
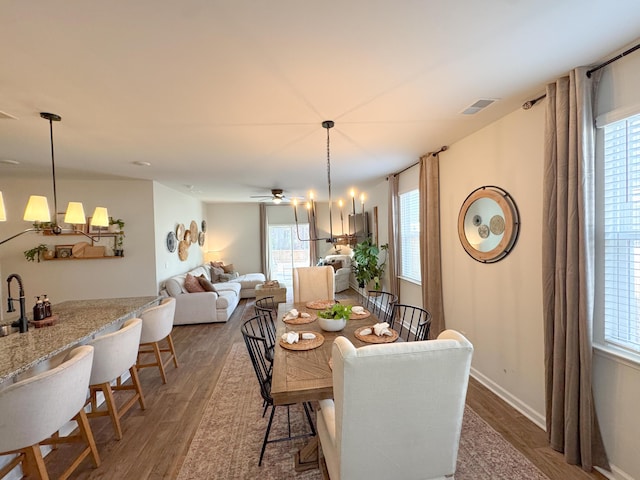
<point>208,307</point>
<point>343,273</point>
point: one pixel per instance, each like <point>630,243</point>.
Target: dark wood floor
<point>157,439</point>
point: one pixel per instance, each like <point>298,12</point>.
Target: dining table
<point>305,375</point>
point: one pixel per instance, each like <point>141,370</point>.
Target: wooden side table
<point>279,293</point>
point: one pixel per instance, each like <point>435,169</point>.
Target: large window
<point>286,252</point>
<point>621,225</point>
<point>410,235</point>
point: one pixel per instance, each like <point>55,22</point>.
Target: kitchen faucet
<point>22,322</point>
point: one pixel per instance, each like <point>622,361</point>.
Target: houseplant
<point>335,318</point>
<point>368,267</point>
<point>117,226</point>
<point>34,254</point>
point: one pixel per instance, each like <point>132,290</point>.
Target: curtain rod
<point>618,57</point>
<point>527,105</point>
<point>433,154</point>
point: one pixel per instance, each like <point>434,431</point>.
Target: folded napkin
<point>378,329</point>
<point>291,337</point>
<point>293,313</point>
<point>358,310</point>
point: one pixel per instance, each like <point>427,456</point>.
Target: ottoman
<point>279,293</point>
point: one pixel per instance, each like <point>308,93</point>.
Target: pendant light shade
<point>3,212</point>
<point>75,214</point>
<point>100,217</point>
<point>37,209</point>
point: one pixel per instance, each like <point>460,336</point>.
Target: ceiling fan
<point>277,195</point>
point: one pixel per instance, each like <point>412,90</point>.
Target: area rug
<point>227,443</point>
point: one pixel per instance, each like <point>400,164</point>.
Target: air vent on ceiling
<point>479,105</point>
<point>7,116</point>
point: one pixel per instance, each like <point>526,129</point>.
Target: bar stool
<point>157,323</point>
<point>34,409</point>
<point>115,353</point>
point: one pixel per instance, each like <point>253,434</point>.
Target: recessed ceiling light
<point>140,163</point>
<point>8,161</point>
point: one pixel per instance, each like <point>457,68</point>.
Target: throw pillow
<point>206,284</point>
<point>215,274</point>
<point>217,264</point>
<point>192,285</point>
<point>228,268</point>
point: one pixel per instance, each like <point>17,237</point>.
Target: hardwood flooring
<point>156,440</point>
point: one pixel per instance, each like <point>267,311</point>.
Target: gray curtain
<point>264,241</point>
<point>431,270</point>
<point>567,271</point>
<point>394,235</point>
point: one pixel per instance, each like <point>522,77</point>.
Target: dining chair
<point>256,343</point>
<point>407,396</point>
<point>114,354</point>
<point>411,323</point>
<point>266,323</point>
<point>380,304</point>
<point>266,303</point>
<point>157,324</point>
<point>313,283</point>
<point>33,410</point>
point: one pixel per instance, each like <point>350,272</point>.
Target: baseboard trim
<point>515,402</point>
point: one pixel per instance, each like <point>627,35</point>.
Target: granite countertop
<point>78,321</point>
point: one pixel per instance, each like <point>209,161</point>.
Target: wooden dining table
<point>305,375</point>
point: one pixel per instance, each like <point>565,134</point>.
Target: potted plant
<point>118,251</point>
<point>116,226</point>
<point>34,254</point>
<point>335,318</point>
<point>367,267</point>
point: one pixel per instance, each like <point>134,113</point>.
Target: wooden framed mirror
<point>488,224</point>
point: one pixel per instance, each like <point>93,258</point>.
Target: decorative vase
<point>332,324</point>
<point>48,254</point>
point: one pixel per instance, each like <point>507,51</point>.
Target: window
<point>410,235</point>
<point>286,252</point>
<point>621,225</point>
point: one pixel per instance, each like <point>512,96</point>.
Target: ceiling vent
<point>476,107</point>
<point>7,116</point>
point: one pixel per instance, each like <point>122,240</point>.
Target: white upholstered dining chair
<point>34,409</point>
<point>313,283</point>
<point>397,409</point>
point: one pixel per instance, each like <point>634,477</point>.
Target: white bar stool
<point>34,409</point>
<point>157,324</point>
<point>115,353</point>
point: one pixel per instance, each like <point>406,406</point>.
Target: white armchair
<point>397,409</point>
<point>342,267</point>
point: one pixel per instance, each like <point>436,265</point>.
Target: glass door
<point>287,252</point>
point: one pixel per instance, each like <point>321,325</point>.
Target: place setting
<point>378,333</point>
<point>297,317</point>
<point>301,340</point>
<point>320,304</point>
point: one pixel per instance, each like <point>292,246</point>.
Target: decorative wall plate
<point>203,226</point>
<point>172,242</point>
<point>187,236</point>
<point>183,250</point>
<point>201,239</point>
<point>180,232</point>
<point>193,228</point>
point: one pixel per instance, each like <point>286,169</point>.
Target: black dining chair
<point>380,304</point>
<point>267,309</point>
<point>411,323</point>
<point>256,342</point>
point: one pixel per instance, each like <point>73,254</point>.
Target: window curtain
<point>264,242</point>
<point>431,271</point>
<point>567,270</point>
<point>394,235</point>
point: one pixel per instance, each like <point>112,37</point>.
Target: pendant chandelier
<point>311,207</point>
<point>37,209</point>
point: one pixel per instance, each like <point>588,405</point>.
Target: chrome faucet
<point>22,322</point>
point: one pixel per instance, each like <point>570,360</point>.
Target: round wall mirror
<point>488,224</point>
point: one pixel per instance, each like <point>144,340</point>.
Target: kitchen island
<point>78,322</point>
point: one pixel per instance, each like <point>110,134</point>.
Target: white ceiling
<point>228,96</point>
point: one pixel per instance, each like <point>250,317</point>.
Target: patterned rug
<point>227,444</point>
